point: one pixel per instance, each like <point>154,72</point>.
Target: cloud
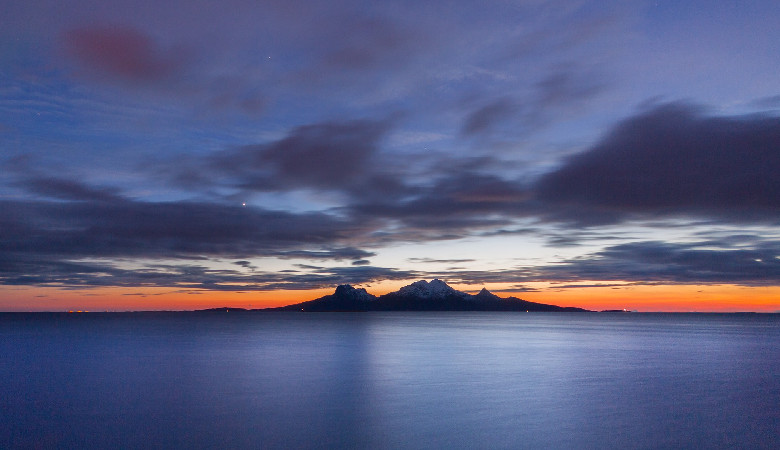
<point>565,85</point>
<point>84,237</point>
<point>439,261</point>
<point>715,261</point>
<point>335,156</point>
<point>669,161</point>
<point>336,254</point>
<point>65,189</point>
<point>125,228</point>
<point>399,198</point>
<point>644,262</point>
<point>75,235</point>
<point>516,288</point>
<point>457,203</point>
<point>245,264</point>
<point>121,52</point>
<point>653,261</point>
<point>683,155</point>
<point>595,285</point>
<point>560,91</point>
<point>489,115</point>
<point>30,270</point>
<point>324,155</point>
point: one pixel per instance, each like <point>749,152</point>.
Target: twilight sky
<point>186,154</point>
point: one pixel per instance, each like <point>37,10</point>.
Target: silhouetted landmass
<point>419,296</point>
<point>224,309</point>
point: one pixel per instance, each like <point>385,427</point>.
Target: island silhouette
<point>421,295</point>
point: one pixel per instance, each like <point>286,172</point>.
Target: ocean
<point>389,380</point>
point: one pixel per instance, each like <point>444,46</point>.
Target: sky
<point>192,154</point>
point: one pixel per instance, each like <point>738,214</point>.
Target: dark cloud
<point>440,197</point>
<point>517,288</point>
<point>336,254</point>
<point>323,155</point>
<point>568,237</point>
<point>647,262</point>
<point>672,160</point>
<point>439,261</point>
<point>65,189</point>
<point>340,156</point>
<point>70,242</point>
<point>487,116</point>
<point>72,275</point>
<point>126,228</point>
<point>526,231</point>
<point>457,203</point>
<point>634,263</point>
<point>22,269</point>
<point>672,263</point>
<point>121,52</point>
<point>75,235</point>
<point>566,85</point>
<point>595,285</point>
<point>669,161</point>
<point>367,274</point>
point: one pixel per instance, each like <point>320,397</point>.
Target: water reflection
<point>388,380</point>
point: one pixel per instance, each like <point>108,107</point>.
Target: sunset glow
<point>656,298</point>
<point>606,155</point>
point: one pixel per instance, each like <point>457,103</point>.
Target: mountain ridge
<point>421,295</point>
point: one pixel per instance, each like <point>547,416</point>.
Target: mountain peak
<point>484,294</point>
<point>343,289</point>
<point>438,284</point>
<point>421,295</point>
<point>347,291</point>
<point>435,289</point>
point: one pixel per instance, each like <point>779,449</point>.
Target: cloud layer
<point>674,160</point>
<point>670,162</point>
<point>299,143</point>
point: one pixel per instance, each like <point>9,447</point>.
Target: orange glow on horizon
<point>643,298</point>
<point>661,298</point>
<point>144,299</point>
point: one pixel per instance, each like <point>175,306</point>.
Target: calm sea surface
<point>389,380</point>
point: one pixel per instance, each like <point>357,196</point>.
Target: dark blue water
<point>389,380</point>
